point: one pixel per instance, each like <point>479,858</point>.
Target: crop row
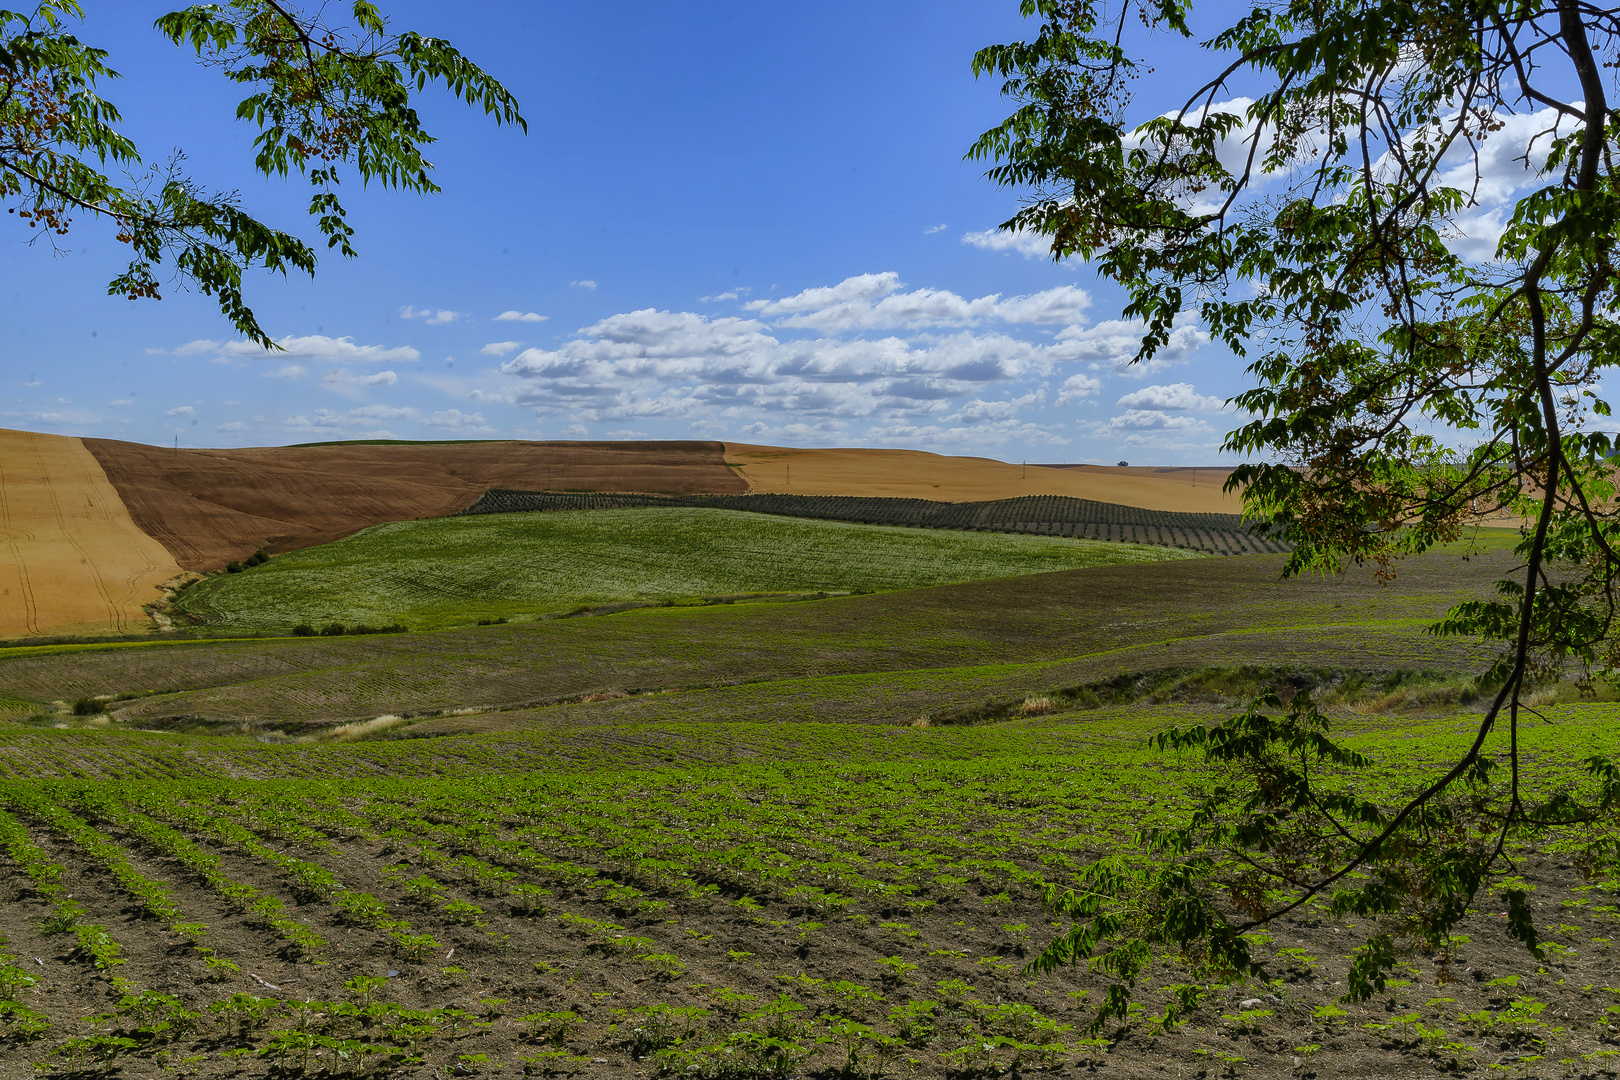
<point>597,880</point>
<point>458,855</point>
<point>1047,515</point>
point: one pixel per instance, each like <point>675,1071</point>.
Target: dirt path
<point>914,474</point>
<point>72,560</point>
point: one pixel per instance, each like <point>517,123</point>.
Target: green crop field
<point>735,841</point>
<point>709,900</point>
<point>450,571</point>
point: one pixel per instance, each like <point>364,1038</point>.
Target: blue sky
<point>728,220</point>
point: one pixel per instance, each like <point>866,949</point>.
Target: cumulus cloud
<point>584,284</point>
<point>1110,345</point>
<point>730,294</point>
<point>500,348</point>
<point>932,229</point>
<point>430,316</point>
<point>521,316</point>
<point>1076,387</point>
<point>352,385</point>
<point>1175,397</point>
<point>180,410</point>
<point>1031,245</point>
<point>867,358</point>
<point>319,347</point>
<point>457,420</point>
<point>869,301</point>
<point>1153,430</point>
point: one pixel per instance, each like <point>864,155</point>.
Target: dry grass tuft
<point>360,729</point>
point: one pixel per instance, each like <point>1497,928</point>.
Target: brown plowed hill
<point>208,507</point>
<point>914,474</point>
<point>71,559</point>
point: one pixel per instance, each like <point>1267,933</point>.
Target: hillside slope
<point>71,557</point>
<point>211,506</point>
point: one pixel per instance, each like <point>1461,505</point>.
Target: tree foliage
<point>1406,383</point>
<point>324,98</point>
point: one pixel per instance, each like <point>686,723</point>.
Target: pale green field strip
<point>1110,737</point>
<point>450,571</point>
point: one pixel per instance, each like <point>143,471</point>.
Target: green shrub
<point>303,629</point>
<point>88,706</point>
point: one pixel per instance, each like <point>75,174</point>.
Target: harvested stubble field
<point>458,570</point>
<point>71,558</point>
<point>704,901</point>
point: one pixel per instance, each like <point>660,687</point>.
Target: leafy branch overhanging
<point>1408,384</point>
<point>323,96</point>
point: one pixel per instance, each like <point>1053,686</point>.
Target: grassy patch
<point>451,571</point>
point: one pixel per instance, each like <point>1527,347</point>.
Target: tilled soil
<point>208,507</point>
<point>1489,1008</point>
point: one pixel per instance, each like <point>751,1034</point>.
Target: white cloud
<point>500,348</point>
<point>195,348</point>
<point>624,433</point>
<point>585,284</point>
<point>521,316</point>
<point>121,401</point>
<point>234,425</point>
<point>866,360</point>
<point>1111,344</point>
<point>291,371</point>
<point>180,410</point>
<point>1031,245</point>
<point>1175,397</point>
<point>932,229</point>
<point>1153,430</point>
<point>428,315</point>
<point>319,347</point>
<point>875,300</point>
<point>457,420</point>
<point>1076,387</point>
<point>381,378</point>
<point>730,294</point>
<point>979,410</point>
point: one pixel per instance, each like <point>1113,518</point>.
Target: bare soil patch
<point>208,507</point>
